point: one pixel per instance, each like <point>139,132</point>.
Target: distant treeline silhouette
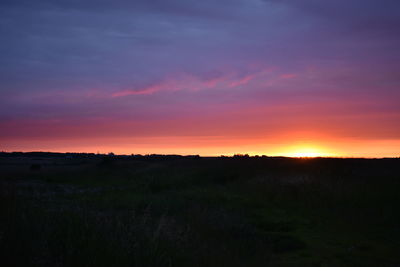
<point>90,155</point>
<point>44,154</point>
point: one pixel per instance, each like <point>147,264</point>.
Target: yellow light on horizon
<point>306,152</point>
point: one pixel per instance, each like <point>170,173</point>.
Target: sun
<point>306,152</point>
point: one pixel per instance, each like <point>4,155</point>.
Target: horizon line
<point>244,155</point>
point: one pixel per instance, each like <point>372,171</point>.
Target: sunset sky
<point>210,77</point>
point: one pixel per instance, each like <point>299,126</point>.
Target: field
<point>98,210</point>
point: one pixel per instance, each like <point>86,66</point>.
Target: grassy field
<point>88,210</point>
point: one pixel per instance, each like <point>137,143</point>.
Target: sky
<point>210,77</point>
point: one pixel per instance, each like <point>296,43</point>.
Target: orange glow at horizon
<point>306,152</point>
<point>215,146</point>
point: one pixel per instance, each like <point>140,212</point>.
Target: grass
<point>145,211</point>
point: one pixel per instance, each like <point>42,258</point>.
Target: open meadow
<point>98,210</point>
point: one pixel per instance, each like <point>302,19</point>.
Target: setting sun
<point>306,152</point>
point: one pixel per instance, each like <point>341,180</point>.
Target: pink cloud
<point>144,91</point>
<point>193,83</point>
<point>246,79</point>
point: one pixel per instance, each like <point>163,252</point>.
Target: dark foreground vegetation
<point>96,210</point>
